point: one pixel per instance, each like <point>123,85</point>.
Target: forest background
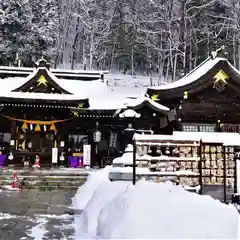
<point>164,38</point>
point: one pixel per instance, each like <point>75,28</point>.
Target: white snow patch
<point>139,170</point>
<point>53,216</point>
<point>6,216</point>
<point>9,187</point>
<point>38,231</point>
<point>207,137</point>
<point>116,210</point>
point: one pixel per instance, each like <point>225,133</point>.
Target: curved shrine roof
<point>196,79</point>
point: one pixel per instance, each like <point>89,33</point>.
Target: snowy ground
<point>35,215</point>
<point>116,210</point>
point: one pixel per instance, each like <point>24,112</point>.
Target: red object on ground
<point>80,162</point>
<point>15,180</point>
<point>37,162</point>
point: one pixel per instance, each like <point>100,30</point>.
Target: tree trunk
<point>238,53</point>
<point>132,60</point>
<point>175,67</point>
<point>234,50</point>
<point>91,49</point>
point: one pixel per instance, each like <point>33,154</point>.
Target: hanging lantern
<point>44,128</point>
<point>62,158</point>
<point>185,95</point>
<point>97,136</point>
<point>10,157</point>
<point>24,126</point>
<point>52,127</point>
<point>37,128</point>
<point>31,127</point>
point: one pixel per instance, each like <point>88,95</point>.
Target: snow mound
<point>116,210</point>
<point>163,211</point>
<point>87,221</point>
<point>86,191</point>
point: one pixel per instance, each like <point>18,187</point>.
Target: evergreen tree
<point>15,28</point>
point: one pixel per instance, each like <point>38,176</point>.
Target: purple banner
<point>74,161</point>
<point>2,159</point>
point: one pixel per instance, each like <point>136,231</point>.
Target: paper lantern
<point>24,126</point>
<point>185,95</point>
<point>37,128</point>
<point>52,127</point>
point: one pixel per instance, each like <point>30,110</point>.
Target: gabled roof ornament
<point>220,80</point>
<point>216,53</point>
<point>42,63</point>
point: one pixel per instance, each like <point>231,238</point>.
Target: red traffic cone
<point>37,162</point>
<point>15,180</point>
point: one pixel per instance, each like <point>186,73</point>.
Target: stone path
<point>36,215</point>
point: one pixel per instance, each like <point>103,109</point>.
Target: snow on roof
<point>230,139</point>
<point>129,113</point>
<point>192,76</point>
<point>101,96</point>
<point>44,96</point>
<point>140,100</point>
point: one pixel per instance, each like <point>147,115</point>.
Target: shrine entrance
<point>42,141</point>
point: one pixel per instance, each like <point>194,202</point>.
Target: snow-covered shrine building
<point>45,108</point>
<point>205,100</point>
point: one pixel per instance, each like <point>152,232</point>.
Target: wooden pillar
<point>93,152</point>
<point>13,130</point>
<point>13,137</point>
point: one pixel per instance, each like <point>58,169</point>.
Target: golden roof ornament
<point>220,80</point>
<point>42,80</point>
<point>80,105</point>
<point>154,97</point>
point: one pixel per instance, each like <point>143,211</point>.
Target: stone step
<point>42,177</point>
<point>40,182</point>
<point>55,178</point>
<point>46,172</point>
<point>41,188</point>
<point>39,174</point>
<point>47,188</point>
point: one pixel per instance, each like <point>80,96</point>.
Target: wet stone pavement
<point>32,214</point>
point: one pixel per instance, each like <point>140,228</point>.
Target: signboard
<point>113,139</point>
<point>237,162</point>
<point>54,155</point>
<point>86,155</point>
<point>234,128</point>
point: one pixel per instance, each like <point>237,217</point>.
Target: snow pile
<point>152,210</point>
<point>117,210</point>
<point>86,191</point>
